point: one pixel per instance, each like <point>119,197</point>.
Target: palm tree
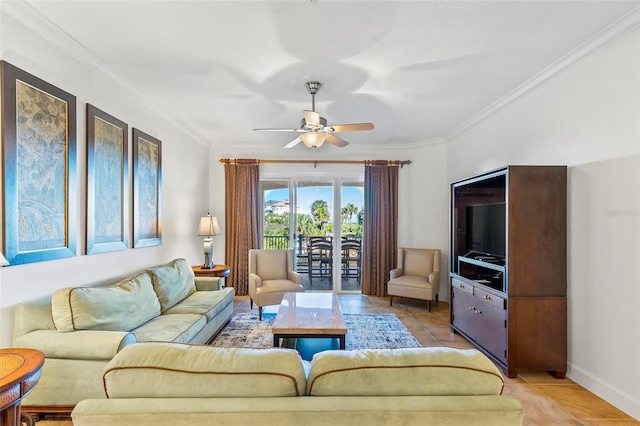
<point>350,209</point>
<point>320,213</point>
<point>305,224</point>
<point>344,214</point>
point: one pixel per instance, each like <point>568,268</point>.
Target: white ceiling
<point>418,70</point>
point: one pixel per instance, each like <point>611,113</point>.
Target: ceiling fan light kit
<point>314,129</point>
<point>313,139</point>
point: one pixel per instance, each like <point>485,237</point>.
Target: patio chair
<point>320,255</point>
<point>351,259</point>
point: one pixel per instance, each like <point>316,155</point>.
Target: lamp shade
<point>209,226</point>
<point>313,139</point>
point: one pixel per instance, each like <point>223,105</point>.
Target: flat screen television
<point>486,229</point>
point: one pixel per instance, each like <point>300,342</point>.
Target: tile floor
<point>546,400</point>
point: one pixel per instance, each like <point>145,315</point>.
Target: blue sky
<point>307,195</point>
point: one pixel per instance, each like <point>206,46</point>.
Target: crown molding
<point>617,29</point>
<point>427,142</point>
<point>40,25</point>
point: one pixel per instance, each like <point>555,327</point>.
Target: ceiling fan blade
<point>312,118</point>
<point>339,142</point>
<point>293,143</point>
<point>351,127</point>
<point>278,130</point>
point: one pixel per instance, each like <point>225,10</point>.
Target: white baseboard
<point>630,404</point>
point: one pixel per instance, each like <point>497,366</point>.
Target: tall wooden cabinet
<point>508,266</point>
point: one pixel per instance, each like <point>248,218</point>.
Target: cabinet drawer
<point>490,299</point>
<point>457,284</point>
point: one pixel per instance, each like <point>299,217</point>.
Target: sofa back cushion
<point>33,315</point>
<point>176,370</point>
<point>120,307</point>
<point>403,372</point>
<point>173,282</point>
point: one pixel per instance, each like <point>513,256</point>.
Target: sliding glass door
<point>314,232</point>
<point>321,219</point>
<point>351,217</point>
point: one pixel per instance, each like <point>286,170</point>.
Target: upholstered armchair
<point>271,275</point>
<point>417,275</point>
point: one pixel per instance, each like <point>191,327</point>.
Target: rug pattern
<point>364,331</point>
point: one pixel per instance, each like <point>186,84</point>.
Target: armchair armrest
<point>395,273</point>
<point>294,276</point>
<point>254,281</point>
<point>82,344</point>
<point>207,283</point>
<point>434,277</point>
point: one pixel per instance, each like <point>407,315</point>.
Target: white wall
<point>184,169</point>
<point>587,117</point>
<point>424,205</point>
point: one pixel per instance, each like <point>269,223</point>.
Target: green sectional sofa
<point>163,384</point>
<point>81,329</point>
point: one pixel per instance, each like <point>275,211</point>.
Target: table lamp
<point>208,228</point>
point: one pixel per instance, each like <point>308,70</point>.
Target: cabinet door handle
<point>478,312</point>
<point>471,308</point>
<point>487,297</point>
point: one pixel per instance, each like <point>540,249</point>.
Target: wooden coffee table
<point>309,315</point>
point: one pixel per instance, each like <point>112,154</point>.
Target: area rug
<point>364,331</point>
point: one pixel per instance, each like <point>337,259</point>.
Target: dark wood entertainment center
<point>511,302</point>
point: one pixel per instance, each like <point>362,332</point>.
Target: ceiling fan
<point>313,128</point>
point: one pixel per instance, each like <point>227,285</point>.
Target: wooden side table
<point>20,370</point>
<point>221,271</point>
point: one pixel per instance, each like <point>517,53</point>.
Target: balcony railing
<point>314,257</point>
<point>278,242</point>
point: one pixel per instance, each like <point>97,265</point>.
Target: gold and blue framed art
<point>147,189</point>
<point>39,164</point>
<point>108,225</point>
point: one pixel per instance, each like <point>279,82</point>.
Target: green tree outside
<point>320,214</point>
<point>315,224</point>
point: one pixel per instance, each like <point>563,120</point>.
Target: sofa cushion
<point>173,282</point>
<point>82,345</point>
<point>33,315</point>
<point>207,303</point>
<point>403,372</point>
<point>171,370</point>
<point>179,328</point>
<point>121,307</point>
<point>410,281</point>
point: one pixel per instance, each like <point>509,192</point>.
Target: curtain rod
<point>400,163</point>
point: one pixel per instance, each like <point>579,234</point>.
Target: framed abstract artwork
<point>108,226</point>
<point>147,190</point>
<point>39,158</point>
